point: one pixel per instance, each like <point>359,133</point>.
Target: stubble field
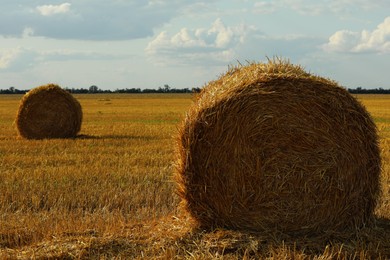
<point>109,193</point>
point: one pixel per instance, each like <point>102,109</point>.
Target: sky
<point>120,44</point>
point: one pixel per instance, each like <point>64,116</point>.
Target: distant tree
<point>195,90</point>
<point>148,90</point>
<point>93,89</point>
<point>360,90</point>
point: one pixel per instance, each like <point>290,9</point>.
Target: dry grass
<point>109,193</point>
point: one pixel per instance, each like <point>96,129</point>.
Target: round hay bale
<point>269,146</point>
<point>48,112</point>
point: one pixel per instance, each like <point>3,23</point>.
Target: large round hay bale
<point>269,146</point>
<point>48,112</point>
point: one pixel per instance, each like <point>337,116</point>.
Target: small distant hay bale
<point>270,147</point>
<point>48,112</point>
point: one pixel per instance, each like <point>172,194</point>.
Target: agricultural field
<point>109,193</point>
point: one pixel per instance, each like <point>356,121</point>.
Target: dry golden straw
<point>269,146</point>
<point>48,112</point>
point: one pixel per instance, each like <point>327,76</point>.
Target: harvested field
<point>109,193</point>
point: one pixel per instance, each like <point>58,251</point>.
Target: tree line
<point>361,90</point>
<point>95,89</point>
<point>167,89</point>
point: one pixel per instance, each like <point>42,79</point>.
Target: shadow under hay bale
<point>272,147</point>
<point>48,112</point>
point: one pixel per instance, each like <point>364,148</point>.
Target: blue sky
<point>182,43</point>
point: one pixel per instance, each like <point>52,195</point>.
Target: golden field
<point>109,194</point>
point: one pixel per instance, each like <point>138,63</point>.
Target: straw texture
<point>48,112</point>
<point>269,146</point>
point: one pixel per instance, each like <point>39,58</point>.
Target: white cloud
<point>48,10</point>
<point>377,40</point>
<point>125,20</point>
<point>344,5</point>
<point>265,7</point>
<point>221,45</point>
<point>69,54</point>
<point>17,59</point>
<point>223,35</point>
<point>155,2</point>
<point>184,39</point>
<point>342,41</point>
<point>7,57</point>
<point>214,44</point>
<point>90,19</point>
<point>27,32</point>
<point>313,8</point>
<point>307,7</point>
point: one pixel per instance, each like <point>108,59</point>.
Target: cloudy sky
<point>186,43</point>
